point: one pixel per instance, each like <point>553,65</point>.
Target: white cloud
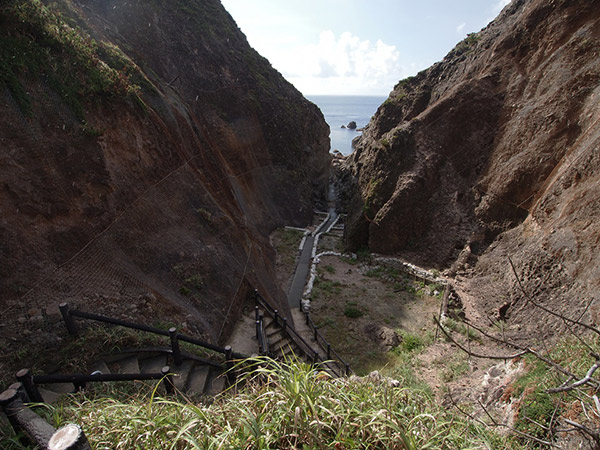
<point>500,4</point>
<point>341,64</point>
<point>461,27</point>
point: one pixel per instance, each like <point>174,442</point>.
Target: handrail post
<point>69,437</point>
<point>328,350</point>
<point>256,295</point>
<point>26,378</point>
<point>18,386</point>
<point>168,377</point>
<point>347,369</point>
<point>256,312</point>
<point>276,316</point>
<point>175,346</point>
<point>7,399</point>
<point>260,326</point>
<point>258,332</point>
<point>229,364</point>
<point>316,328</point>
<point>68,318</point>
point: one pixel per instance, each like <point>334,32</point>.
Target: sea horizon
<point>339,110</point>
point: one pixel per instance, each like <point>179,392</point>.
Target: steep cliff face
<point>493,153</point>
<point>147,152</point>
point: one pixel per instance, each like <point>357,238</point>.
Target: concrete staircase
<point>282,346</point>
<point>195,377</point>
<point>202,377</point>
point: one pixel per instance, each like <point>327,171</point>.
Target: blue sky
<point>357,47</point>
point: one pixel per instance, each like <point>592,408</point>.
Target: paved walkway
<point>303,267</point>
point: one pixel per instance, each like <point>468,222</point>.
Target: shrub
<point>352,311</point>
<point>411,342</point>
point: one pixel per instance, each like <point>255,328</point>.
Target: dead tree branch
<point>497,424</point>
<point>547,310</point>
<point>477,355</point>
<point>526,350</point>
<point>585,380</point>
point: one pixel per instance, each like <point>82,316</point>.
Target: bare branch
<point>585,310</point>
<point>477,355</point>
<point>494,421</point>
<point>587,379</point>
<point>581,340</point>
<point>593,434</point>
<point>536,423</point>
<point>467,414</point>
<point>498,424</point>
<point>549,311</point>
<point>526,350</point>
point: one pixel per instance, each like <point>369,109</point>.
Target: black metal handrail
<point>79,381</point>
<point>261,334</point>
<point>325,344</point>
<point>68,315</point>
<point>299,340</point>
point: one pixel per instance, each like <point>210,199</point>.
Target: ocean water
<point>340,110</point>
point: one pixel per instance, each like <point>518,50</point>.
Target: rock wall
<point>489,154</point>
<point>147,153</point>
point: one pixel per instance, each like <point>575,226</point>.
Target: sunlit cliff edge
<point>493,153</point>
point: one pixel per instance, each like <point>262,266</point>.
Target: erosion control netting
<point>196,283</point>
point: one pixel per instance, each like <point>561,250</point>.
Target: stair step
<point>49,396</point>
<point>100,366</point>
<point>197,379</point>
<point>60,388</point>
<point>270,323</point>
<point>182,373</point>
<point>290,349</point>
<point>275,334</point>
<point>282,343</point>
<point>153,365</point>
<point>129,364</point>
<point>216,383</point>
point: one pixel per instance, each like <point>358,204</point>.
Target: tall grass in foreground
<point>278,406</point>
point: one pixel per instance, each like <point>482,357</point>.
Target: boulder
<point>385,337</point>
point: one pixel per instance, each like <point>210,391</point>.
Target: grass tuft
<point>285,405</point>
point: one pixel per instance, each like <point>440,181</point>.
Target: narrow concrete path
<point>303,266</point>
<point>297,287</point>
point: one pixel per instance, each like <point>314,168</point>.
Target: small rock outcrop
<point>386,338</point>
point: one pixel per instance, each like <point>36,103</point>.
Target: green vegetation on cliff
<point>280,405</point>
<point>38,41</point>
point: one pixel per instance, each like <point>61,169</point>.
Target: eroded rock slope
<point>147,152</point>
<point>494,153</point>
